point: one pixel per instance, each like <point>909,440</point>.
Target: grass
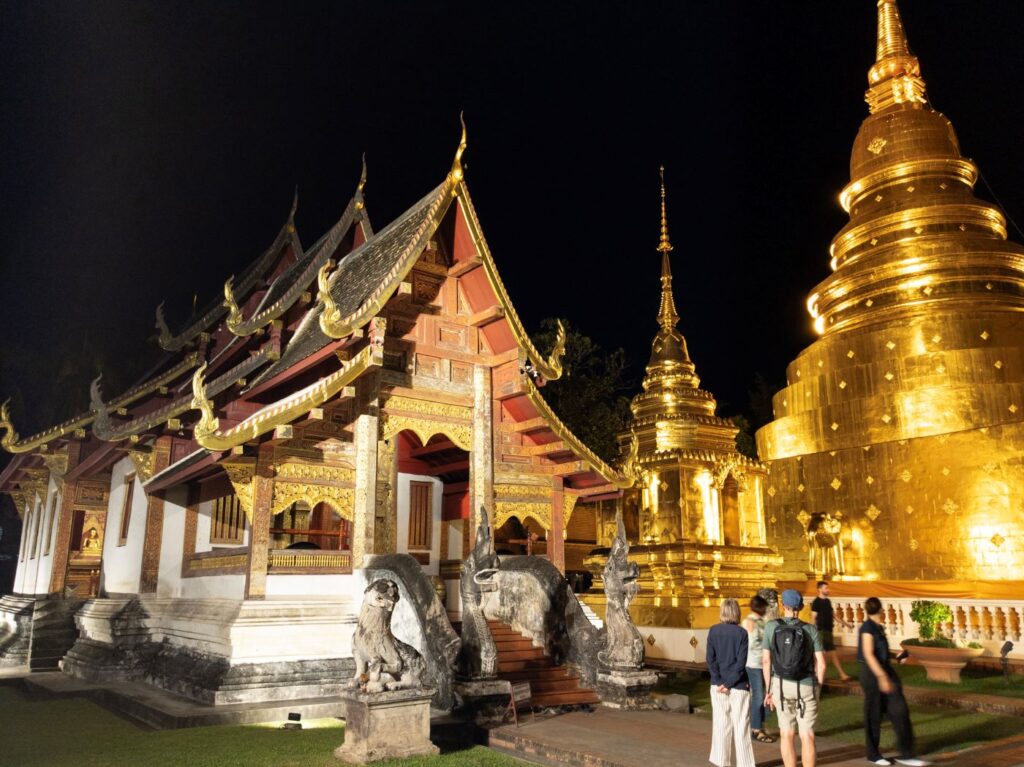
<point>842,717</point>
<point>979,680</point>
<point>77,731</point>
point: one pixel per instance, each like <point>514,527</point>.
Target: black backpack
<point>792,652</point>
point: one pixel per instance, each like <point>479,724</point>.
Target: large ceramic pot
<point>943,664</point>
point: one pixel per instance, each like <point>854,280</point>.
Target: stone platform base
<point>165,711</point>
<point>386,725</point>
<point>484,701</point>
<point>627,689</point>
<point>216,651</point>
<point>36,632</point>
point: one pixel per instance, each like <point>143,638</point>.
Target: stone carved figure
<point>624,648</point>
<point>478,658</point>
<point>825,545</point>
<point>382,661</point>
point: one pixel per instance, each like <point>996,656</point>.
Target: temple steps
<point>520,661</point>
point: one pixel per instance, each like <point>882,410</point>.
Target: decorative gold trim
<point>207,431</point>
<point>569,501</point>
<point>616,478</point>
<point>522,510</point>
<point>424,428</point>
<point>74,427</point>
<point>341,499</point>
<point>235,317</point>
<point>240,473</point>
<point>550,368</point>
<point>144,462</point>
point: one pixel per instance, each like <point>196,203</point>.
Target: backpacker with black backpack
<point>792,656</point>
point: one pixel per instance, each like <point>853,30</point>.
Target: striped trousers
<point>730,733</point>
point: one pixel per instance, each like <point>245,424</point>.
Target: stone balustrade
<point>987,622</point>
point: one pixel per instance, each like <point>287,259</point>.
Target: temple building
<point>368,394</point>
<point>895,455</point>
<point>695,515</point>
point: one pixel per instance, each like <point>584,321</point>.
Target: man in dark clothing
<point>883,692</point>
<point>824,620</point>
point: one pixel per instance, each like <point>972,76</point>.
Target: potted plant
<point>943,659</point>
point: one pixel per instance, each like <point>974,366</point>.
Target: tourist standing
<point>754,624</point>
<point>794,670</point>
<point>883,691</point>
<point>824,620</point>
<point>730,690</point>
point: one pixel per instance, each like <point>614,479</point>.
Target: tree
<point>591,396</point>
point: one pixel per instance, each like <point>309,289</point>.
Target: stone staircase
<point>53,632</point>
<point>520,661</point>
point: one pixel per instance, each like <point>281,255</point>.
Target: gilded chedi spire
<point>895,77</point>
<point>901,416</point>
<point>671,393</point>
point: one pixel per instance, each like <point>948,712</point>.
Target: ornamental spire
<point>895,77</point>
<point>667,316</point>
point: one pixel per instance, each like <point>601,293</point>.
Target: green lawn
<point>971,680</point>
<point>75,731</point>
<point>841,717</point>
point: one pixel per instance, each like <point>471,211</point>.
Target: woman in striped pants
<point>730,690</point>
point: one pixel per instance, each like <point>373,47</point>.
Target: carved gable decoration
<point>426,418</point>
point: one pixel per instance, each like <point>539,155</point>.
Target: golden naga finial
<point>360,202</point>
<point>208,422</point>
<point>663,245</point>
<point>895,77</point>
<point>166,338</point>
<point>456,175</point>
<point>330,314</point>
<point>235,318</point>
<point>290,226</point>
<point>11,437</point>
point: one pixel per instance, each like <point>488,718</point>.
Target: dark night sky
<point>150,149</point>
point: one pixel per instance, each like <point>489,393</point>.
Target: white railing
<point>987,622</point>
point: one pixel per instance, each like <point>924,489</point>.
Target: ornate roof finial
<point>456,175</point>
<point>895,77</point>
<point>359,202</point>
<point>667,316</point>
<point>664,245</point>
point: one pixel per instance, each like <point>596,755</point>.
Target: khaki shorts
<point>795,715</point>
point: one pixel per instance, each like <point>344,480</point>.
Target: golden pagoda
<point>694,515</point>
<point>896,449</point>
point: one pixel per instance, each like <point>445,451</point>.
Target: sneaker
<point>912,761</point>
<point>882,761</point>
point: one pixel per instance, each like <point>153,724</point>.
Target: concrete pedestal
<point>386,725</point>
<point>627,689</point>
<point>485,700</point>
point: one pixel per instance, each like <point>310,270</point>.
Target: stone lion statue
<point>382,661</point>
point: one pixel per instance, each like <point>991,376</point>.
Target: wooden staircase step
<point>572,698</point>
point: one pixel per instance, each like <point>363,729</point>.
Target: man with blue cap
<point>794,671</point>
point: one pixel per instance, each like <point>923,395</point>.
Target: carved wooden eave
<point>172,343</point>
<point>322,251</point>
<point>550,367</point>
<point>610,475</point>
<point>107,430</point>
<point>75,427</point>
<point>207,431</point>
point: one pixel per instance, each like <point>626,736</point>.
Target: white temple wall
<point>172,542</point>
<point>403,518</point>
<point>47,516</point>
<point>213,586</point>
<point>25,578</point>
<point>329,586</point>
<point>122,563</point>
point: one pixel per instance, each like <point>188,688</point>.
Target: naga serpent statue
<point>478,658</point>
<point>624,649</point>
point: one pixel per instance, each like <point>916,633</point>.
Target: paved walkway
<point>612,738</point>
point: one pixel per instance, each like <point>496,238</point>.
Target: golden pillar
<point>259,529</point>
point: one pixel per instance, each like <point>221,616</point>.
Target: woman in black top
<point>883,692</point>
<point>730,690</point>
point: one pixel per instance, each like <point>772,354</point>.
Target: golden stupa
<point>694,516</point>
<point>897,449</point>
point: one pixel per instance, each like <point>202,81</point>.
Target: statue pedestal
<point>386,725</point>
<point>626,689</point>
<point>486,700</point>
